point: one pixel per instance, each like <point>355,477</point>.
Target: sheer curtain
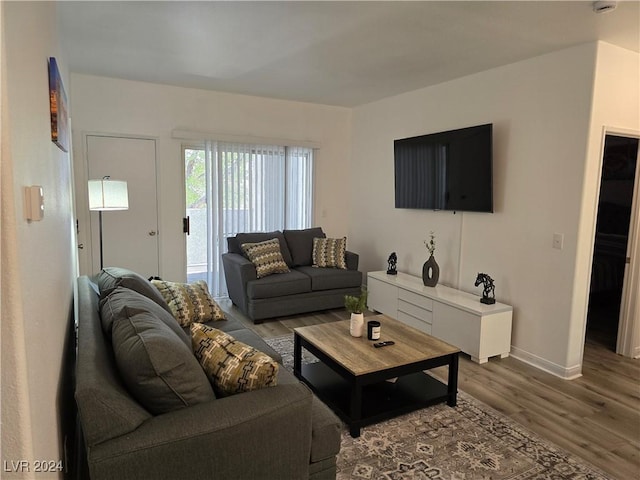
<point>253,188</point>
<point>299,188</point>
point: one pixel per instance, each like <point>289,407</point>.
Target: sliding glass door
<point>235,187</point>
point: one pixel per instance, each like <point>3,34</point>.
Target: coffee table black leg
<point>452,384</point>
<point>297,356</point>
<point>355,411</point>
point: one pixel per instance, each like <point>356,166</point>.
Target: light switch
<point>558,240</point>
<point>33,203</point>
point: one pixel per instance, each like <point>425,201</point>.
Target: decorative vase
<point>357,324</point>
<point>430,272</point>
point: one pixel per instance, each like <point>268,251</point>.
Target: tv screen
<point>446,171</point>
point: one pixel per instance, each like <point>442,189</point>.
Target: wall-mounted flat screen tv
<point>446,171</point>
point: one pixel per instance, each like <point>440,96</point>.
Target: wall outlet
<point>558,240</point>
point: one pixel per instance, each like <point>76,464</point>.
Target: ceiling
<point>334,53</point>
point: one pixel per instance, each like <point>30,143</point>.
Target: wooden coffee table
<point>365,385</point>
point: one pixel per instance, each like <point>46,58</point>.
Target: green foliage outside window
<point>196,184</point>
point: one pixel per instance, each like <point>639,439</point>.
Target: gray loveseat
<point>276,432</point>
<point>304,288</point>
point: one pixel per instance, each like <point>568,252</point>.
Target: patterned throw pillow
<point>266,257</point>
<point>232,366</point>
<point>189,302</point>
<point>330,252</point>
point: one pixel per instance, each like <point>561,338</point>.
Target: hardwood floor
<point>596,416</point>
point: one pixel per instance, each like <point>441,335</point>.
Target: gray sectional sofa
<point>303,289</point>
<point>282,431</point>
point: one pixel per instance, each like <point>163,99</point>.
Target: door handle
<point>152,233</point>
<point>186,225</point>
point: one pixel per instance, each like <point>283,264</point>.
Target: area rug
<point>470,441</point>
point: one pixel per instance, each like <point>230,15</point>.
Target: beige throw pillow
<point>330,252</point>
<point>231,366</point>
<point>189,302</point>
<point>266,257</point>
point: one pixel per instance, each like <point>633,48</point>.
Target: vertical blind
<point>253,188</point>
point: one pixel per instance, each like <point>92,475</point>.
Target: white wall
<point>109,105</point>
<point>541,110</point>
<point>616,109</point>
<point>544,151</point>
<point>38,259</point>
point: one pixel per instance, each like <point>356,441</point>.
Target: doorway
<point>612,239</point>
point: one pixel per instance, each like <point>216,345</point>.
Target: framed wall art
<point>58,108</point>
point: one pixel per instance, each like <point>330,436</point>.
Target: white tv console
<point>457,317</point>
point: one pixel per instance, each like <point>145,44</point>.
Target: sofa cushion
<point>254,340</point>
<point>159,370</point>
<point>124,302</point>
<point>300,244</point>
<point>279,285</point>
<point>266,257</point>
<point>228,325</point>
<point>189,302</point>
<point>331,278</point>
<point>111,277</point>
<point>325,426</point>
<point>329,252</point>
<point>232,366</point>
<point>105,407</point>
<point>234,244</point>
<point>325,432</point>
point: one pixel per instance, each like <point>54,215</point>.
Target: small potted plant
<point>356,307</point>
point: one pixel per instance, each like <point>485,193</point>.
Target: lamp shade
<point>107,194</point>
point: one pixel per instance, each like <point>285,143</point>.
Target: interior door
<point>129,237</point>
<point>611,319</point>
<point>628,342</point>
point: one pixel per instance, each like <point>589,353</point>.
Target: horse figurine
<point>489,292</point>
<point>392,261</point>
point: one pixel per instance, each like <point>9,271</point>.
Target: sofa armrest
<point>352,260</point>
<point>237,272</point>
<point>260,434</point>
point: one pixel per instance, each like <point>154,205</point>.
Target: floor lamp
<point>105,195</point>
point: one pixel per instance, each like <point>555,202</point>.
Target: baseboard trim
<point>566,373</point>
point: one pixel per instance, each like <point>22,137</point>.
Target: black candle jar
<point>373,330</point>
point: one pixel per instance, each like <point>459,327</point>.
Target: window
<point>235,187</point>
